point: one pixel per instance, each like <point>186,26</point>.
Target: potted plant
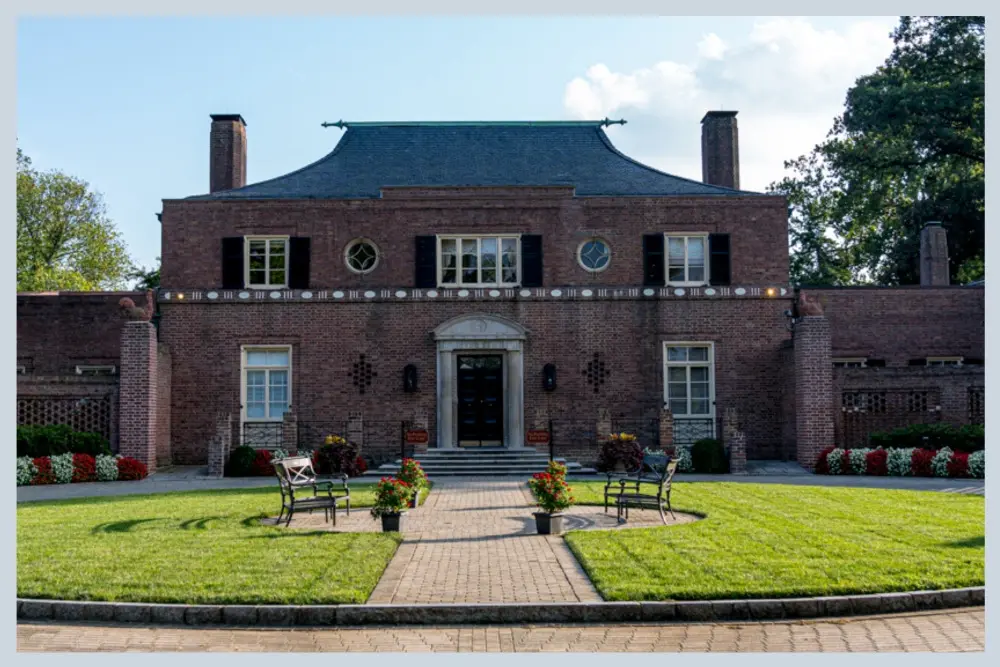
<point>391,499</point>
<point>413,474</point>
<point>552,495</point>
<point>620,453</point>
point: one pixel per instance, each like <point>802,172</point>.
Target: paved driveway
<point>957,630</point>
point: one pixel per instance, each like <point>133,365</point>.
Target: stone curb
<point>498,613</point>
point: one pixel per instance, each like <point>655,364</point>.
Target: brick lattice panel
<point>82,413</point>
<point>863,412</point>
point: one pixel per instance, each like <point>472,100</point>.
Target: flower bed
<point>249,462</point>
<point>74,468</point>
<point>903,462</point>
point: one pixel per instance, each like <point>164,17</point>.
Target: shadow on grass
<point>199,524</point>
<point>969,543</point>
<point>297,533</point>
<point>120,526</point>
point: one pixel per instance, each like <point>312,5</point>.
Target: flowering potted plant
<point>620,453</point>
<point>413,474</point>
<point>391,499</point>
<point>552,495</point>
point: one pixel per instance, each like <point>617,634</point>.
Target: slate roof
<point>370,156</point>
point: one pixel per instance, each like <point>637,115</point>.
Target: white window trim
<point>107,369</point>
<point>267,263</point>
<point>711,375</point>
<point>944,361</point>
<point>347,251</point>
<point>851,360</point>
<point>244,349</point>
<point>666,259</point>
<point>458,260</point>
<point>579,254</point>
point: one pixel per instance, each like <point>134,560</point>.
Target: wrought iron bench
<point>296,475</point>
<point>648,489</point>
<point>648,471</point>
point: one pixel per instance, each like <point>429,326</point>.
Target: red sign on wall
<point>538,437</point>
<point>418,437</point>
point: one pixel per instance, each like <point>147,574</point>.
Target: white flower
<point>107,468</point>
<point>278,454</point>
<point>62,468</point>
<point>977,464</point>
<point>898,461</point>
<point>939,464</point>
<point>834,460</point>
<point>26,470</point>
<point>859,460</point>
<point>684,462</point>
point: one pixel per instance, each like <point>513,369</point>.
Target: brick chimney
<point>934,255</point>
<point>720,149</point>
<point>228,152</point>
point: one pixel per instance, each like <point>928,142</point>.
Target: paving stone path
<point>475,541</point>
<point>957,630</point>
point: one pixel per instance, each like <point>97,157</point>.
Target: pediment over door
<point>480,327</point>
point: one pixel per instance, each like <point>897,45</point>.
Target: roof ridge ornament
<point>606,122</point>
<point>339,124</point>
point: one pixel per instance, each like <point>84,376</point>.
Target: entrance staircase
<point>481,462</point>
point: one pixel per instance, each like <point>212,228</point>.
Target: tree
<point>146,278</point>
<point>64,239</point>
<point>908,149</point>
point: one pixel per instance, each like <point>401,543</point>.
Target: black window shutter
<point>232,262</point>
<point>718,259</point>
<point>426,262</point>
<point>298,262</point>
<point>652,260</point>
<point>531,260</point>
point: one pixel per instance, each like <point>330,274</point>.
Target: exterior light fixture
<point>770,291</point>
<point>180,296</point>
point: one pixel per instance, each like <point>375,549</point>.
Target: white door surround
<point>480,333</point>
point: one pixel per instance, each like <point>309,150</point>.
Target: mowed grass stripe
<point>193,547</point>
<point>766,540</point>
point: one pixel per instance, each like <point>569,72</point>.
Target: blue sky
<point>124,103</point>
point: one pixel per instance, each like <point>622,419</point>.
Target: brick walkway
<point>475,541</point>
<point>960,630</point>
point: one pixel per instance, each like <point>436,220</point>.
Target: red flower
<point>958,465</point>
<point>44,474</point>
<point>261,466</point>
<point>129,468</point>
<point>920,463</point>
<point>875,462</point>
<point>822,467</point>
<point>84,468</point>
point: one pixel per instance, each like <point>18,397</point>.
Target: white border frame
<point>579,257</point>
<point>243,382</point>
<point>458,260</point>
<point>666,259</point>
<point>246,260</point>
<point>358,241</point>
<point>850,360</point>
<point>711,375</point>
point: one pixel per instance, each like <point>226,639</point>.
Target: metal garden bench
<point>646,488</point>
<point>296,476</point>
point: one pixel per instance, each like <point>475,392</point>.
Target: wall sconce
<point>790,320</point>
<point>409,378</point>
<point>549,377</point>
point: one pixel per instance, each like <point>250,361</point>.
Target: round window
<point>594,255</point>
<point>361,256</point>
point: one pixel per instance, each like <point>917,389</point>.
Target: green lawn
<point>194,547</point>
<point>769,540</point>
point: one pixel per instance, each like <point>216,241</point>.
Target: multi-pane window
<point>361,256</point>
<point>944,361</point>
<point>686,260</point>
<point>689,383</point>
<point>478,260</point>
<point>266,380</point>
<point>850,362</point>
<point>86,369</point>
<point>267,261</point>
<point>594,255</point>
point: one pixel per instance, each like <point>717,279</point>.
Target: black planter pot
<point>393,523</point>
<point>549,524</point>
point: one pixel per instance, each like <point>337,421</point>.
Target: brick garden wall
<point>86,403</point>
<point>163,367</point>
<point>57,331</point>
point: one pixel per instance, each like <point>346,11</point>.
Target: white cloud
<point>711,47</point>
<point>787,79</point>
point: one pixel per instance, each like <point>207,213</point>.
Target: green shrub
<point>56,439</point>
<point>709,457</point>
<point>969,438</point>
<point>241,461</point>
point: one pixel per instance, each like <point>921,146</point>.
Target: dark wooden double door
<point>480,400</point>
